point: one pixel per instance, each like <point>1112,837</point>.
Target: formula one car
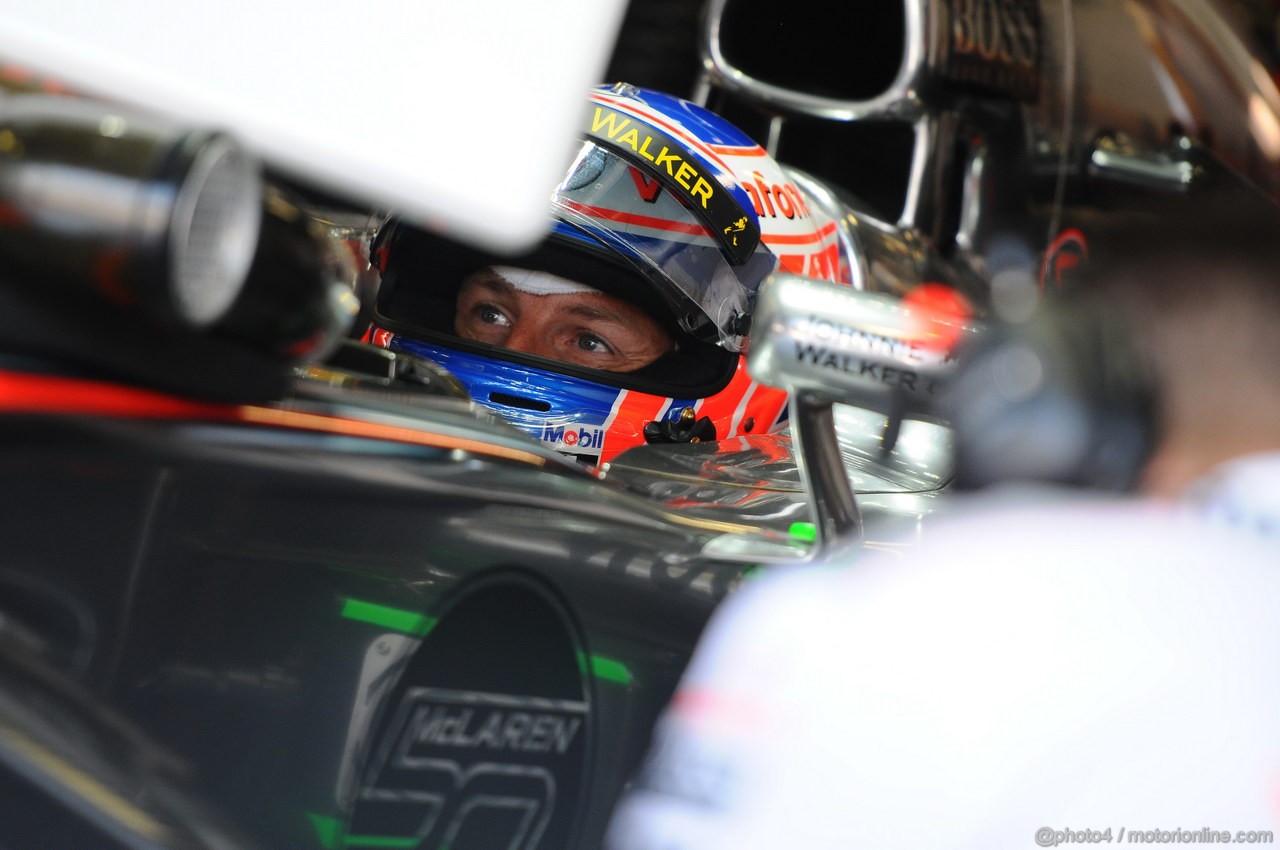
<point>987,145</point>
<point>364,611</point>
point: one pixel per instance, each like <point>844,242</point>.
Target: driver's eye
<point>491,315</point>
<point>593,343</point>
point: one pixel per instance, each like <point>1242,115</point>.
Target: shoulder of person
<point>1036,561</point>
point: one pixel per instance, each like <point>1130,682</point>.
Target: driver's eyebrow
<point>490,281</point>
<point>600,312</point>
<point>593,309</point>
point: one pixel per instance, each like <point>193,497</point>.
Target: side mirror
<point>826,343</point>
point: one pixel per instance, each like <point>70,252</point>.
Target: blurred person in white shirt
<point>1051,665</point>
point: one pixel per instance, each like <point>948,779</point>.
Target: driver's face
<point>585,329</point>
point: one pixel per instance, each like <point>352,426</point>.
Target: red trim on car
<point>50,394</point>
<point>26,393</point>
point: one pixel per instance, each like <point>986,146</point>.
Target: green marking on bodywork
<point>806,531</point>
<point>333,836</point>
<point>329,829</point>
<point>380,841</point>
<point>409,622</point>
<point>607,669</point>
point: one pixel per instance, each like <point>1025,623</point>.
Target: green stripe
<point>380,841</point>
<point>409,622</point>
<point>328,829</point>
<point>805,532</point>
<point>608,669</point>
<point>333,837</point>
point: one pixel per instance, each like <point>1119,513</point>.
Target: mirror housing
<point>828,344</point>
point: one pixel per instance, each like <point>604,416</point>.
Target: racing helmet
<point>668,213</point>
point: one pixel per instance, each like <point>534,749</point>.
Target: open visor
<point>683,231</point>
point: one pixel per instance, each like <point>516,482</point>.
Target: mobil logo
<point>574,438</point>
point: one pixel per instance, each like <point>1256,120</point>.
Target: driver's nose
<point>529,337</point>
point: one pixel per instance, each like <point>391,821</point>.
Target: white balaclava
<point>542,283</point>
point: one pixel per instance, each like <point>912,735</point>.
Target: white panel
<point>460,113</point>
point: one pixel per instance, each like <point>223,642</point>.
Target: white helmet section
<point>801,235</point>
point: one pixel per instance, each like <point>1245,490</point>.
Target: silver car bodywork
<point>1027,129</point>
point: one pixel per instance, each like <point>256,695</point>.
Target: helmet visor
<point>666,236</point>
